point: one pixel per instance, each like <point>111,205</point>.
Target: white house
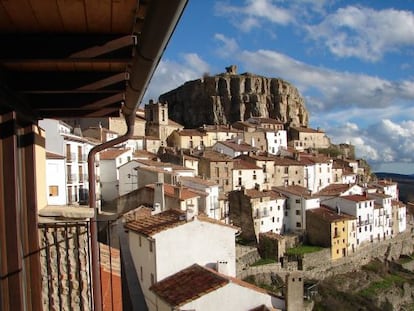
<point>62,139</point>
<point>110,161</point>
<point>388,187</point>
<point>209,204</point>
<point>128,177</point>
<point>360,206</point>
<point>318,171</point>
<point>165,243</point>
<point>233,148</point>
<point>246,174</point>
<point>382,215</point>
<point>299,200</point>
<point>276,140</point>
<point>400,211</point>
<point>203,289</point>
<point>55,179</point>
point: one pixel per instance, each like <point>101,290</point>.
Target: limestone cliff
<point>229,97</point>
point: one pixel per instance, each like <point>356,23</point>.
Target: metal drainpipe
<point>96,271</point>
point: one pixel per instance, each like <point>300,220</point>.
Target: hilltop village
<point>186,195</point>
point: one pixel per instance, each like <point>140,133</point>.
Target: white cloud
<point>254,13</point>
<point>384,141</point>
<point>329,90</point>
<point>364,33</point>
<point>228,46</point>
<point>171,74</point>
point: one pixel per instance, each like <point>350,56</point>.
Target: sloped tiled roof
<point>111,154</point>
<point>156,223</point>
<point>294,189</point>
<point>187,285</point>
<point>185,193</point>
<point>191,132</point>
<point>356,198</point>
<point>194,282</point>
<point>329,215</point>
<point>198,180</point>
<point>244,165</point>
<point>54,156</point>
<point>334,189</point>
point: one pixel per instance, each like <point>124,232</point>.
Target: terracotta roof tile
<point>294,189</point>
<point>356,198</point>
<point>307,130</point>
<point>198,180</point>
<point>54,156</point>
<point>215,156</point>
<point>185,193</point>
<point>187,285</point>
<point>111,154</point>
<point>334,189</point>
<point>244,165</point>
<point>191,132</point>
<point>157,223</point>
<point>328,214</point>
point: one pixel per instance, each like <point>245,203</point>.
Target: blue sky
<point>352,61</point>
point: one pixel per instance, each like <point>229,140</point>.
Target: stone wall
<point>388,250</point>
<point>65,265</point>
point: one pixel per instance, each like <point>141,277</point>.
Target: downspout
<point>160,23</point>
<point>96,269</point>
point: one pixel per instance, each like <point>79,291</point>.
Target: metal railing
<point>66,265</point>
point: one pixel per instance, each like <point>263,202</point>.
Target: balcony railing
<point>70,157</point>
<point>82,157</point>
<point>71,178</point>
<point>66,269</point>
<point>364,222</point>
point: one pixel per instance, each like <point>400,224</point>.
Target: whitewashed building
<point>233,148</point>
<point>110,161</point>
<point>276,140</point>
<point>246,174</point>
<point>55,179</point>
<point>360,206</point>
<point>204,289</point>
<point>163,244</point>
<point>299,200</point>
<point>208,204</point>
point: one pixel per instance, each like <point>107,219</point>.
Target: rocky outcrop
<point>229,97</point>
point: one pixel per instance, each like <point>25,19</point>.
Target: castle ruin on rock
<point>229,97</point>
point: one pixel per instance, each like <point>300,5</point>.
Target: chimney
<point>222,267</point>
<point>177,191</point>
<point>189,214</point>
<point>159,198</point>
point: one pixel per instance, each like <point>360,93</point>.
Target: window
<point>297,201</point>
<point>278,207</point>
<point>152,279</point>
<point>141,273</point>
<point>297,212</point>
<point>286,170</point>
<point>150,246</point>
<point>273,219</point>
<point>53,191</point>
<point>140,243</point>
<point>254,175</point>
<point>298,225</point>
<point>240,172</point>
<point>286,213</point>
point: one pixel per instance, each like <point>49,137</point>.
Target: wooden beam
<point>106,48</point>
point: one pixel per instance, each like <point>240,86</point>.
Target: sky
<point>352,61</point>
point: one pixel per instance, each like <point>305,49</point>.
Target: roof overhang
<point>73,59</point>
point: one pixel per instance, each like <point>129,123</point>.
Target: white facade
<point>402,218</point>
<point>56,181</point>
<point>109,178</point>
<point>173,249</point>
<point>233,149</point>
<point>322,176</point>
<point>247,178</point>
<point>268,216</point>
<point>276,141</point>
<point>382,216</point>
<point>128,177</point>
<point>362,208</point>
<point>231,296</point>
<point>60,140</point>
<point>209,204</point>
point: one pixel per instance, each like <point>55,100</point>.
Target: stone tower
<point>156,117</point>
<point>294,291</point>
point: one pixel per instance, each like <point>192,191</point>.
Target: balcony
<point>83,178</point>
<point>261,214</point>
<point>70,157</point>
<point>82,157</point>
<point>364,223</point>
<point>71,178</point>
